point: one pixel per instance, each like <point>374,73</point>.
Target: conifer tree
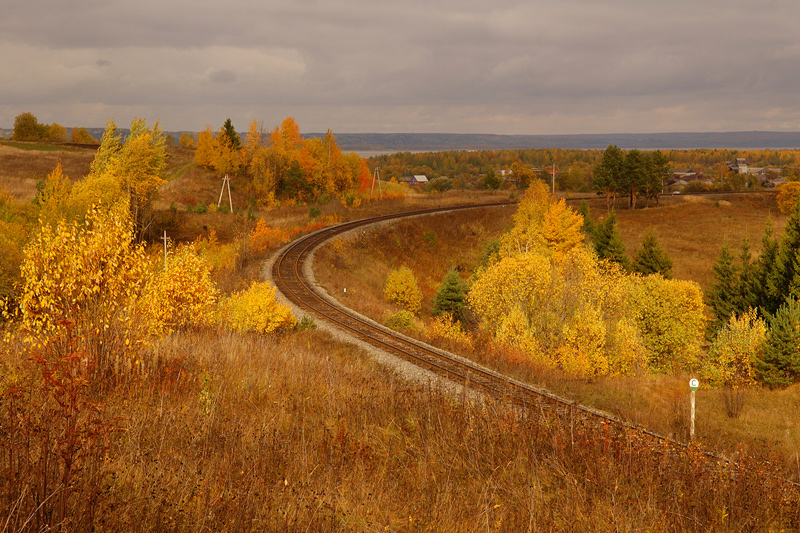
<point>450,298</point>
<point>779,365</point>
<point>588,223</point>
<point>651,259</point>
<point>608,242</point>
<point>785,280</point>
<point>607,173</point>
<point>764,298</point>
<point>722,297</point>
<point>747,268</point>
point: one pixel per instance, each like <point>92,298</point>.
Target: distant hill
<point>425,142</point>
<point>415,142</point>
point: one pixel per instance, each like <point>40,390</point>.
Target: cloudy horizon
<point>422,66</point>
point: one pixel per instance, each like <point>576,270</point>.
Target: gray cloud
<point>547,66</point>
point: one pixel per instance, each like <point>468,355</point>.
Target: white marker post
<point>693,386</point>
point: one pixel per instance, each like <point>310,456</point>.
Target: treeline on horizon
<point>573,167</point>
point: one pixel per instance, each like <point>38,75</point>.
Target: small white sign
<point>694,384</point>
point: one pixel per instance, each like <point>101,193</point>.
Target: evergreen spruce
<point>779,364</point>
<point>588,223</point>
<point>787,262</point>
<point>651,259</point>
<point>450,298</point>
<point>764,297</point>
<point>723,297</point>
<point>746,296</point>
<point>608,242</point>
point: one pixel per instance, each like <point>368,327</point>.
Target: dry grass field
<point>301,433</point>
<point>20,168</point>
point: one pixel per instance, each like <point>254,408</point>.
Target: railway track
<point>288,274</point>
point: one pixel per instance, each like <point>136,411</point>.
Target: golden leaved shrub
<point>734,351</point>
<point>670,319</point>
<point>182,294</point>
<point>255,310</point>
<point>402,289</point>
<point>81,283</point>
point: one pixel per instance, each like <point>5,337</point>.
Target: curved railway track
<point>288,274</point>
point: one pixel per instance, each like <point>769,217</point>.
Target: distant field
<point>23,164</point>
<point>692,229</point>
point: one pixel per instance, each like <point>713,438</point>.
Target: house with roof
<point>418,179</point>
<point>739,166</point>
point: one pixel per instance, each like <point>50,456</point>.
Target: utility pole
<point>554,178</point>
<point>226,181</point>
<point>376,176</point>
<point>165,249</point>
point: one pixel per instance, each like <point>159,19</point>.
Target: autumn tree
<point>543,224</point>
<point>255,310</point>
<point>670,320</point>
<point>186,140</point>
<point>53,197</point>
<point>205,153</point>
<point>56,133</point>
<point>524,174</point>
<point>402,289</point>
<point>81,284</point>
<point>734,351</point>
<point>27,128</point>
<point>788,196</point>
<point>81,136</point>
<point>137,165</point>
<point>181,294</point>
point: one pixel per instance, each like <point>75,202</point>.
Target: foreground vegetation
<point>229,432</point>
<point>168,388</point>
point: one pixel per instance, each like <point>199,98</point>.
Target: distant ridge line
<point>400,142</point>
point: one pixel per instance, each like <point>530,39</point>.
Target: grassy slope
<point>301,433</point>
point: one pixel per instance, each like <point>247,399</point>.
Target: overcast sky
<point>460,66</point>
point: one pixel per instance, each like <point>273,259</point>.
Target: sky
<point>406,66</point>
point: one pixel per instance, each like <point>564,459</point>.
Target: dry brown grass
<point>303,434</point>
<point>21,169</point>
<point>692,229</point>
